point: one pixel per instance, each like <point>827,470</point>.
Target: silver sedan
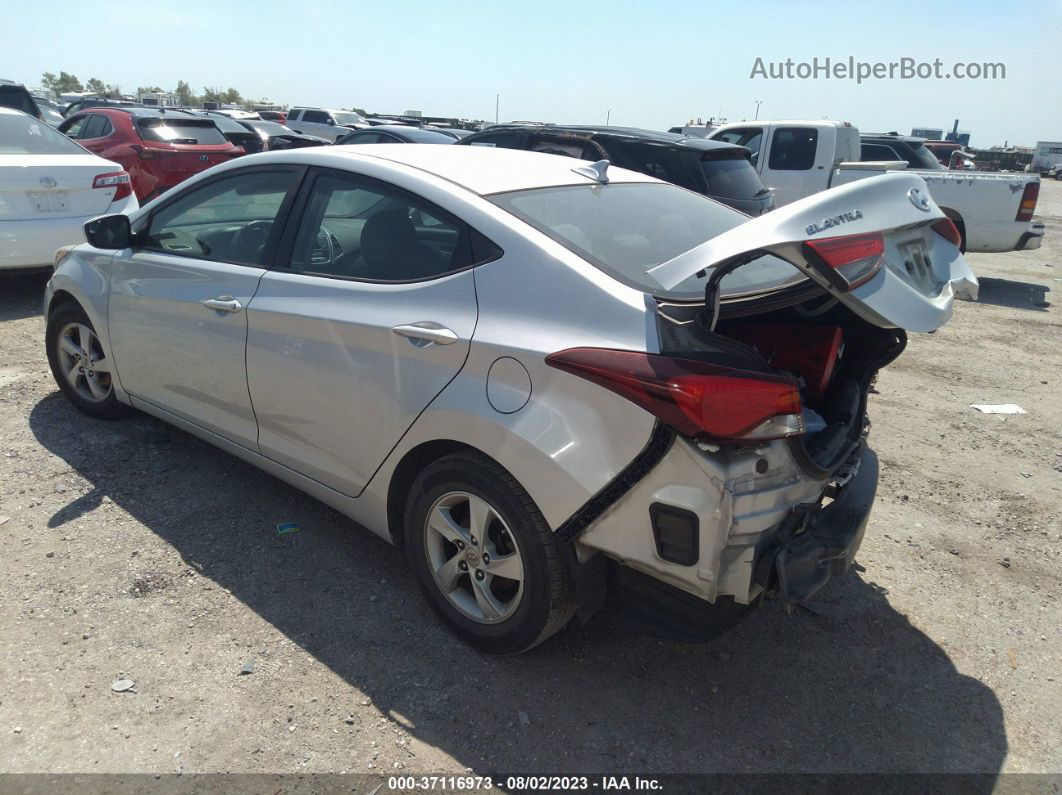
<point>526,370</point>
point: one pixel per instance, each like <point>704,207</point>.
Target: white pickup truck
<point>993,212</point>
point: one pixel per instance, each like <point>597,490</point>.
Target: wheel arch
<point>412,463</point>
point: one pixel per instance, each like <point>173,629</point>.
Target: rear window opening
<point>24,135</point>
<point>180,131</point>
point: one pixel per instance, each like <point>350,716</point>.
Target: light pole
<point>608,115</point>
<point>758,101</point>
<point>497,99</point>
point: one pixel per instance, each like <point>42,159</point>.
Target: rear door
<point>880,246</point>
<point>177,312</point>
<point>97,133</point>
<point>367,317</point>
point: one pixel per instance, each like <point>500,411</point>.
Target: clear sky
<point>653,64</point>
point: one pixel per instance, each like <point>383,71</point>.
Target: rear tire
<point>484,556</point>
<point>80,366</point>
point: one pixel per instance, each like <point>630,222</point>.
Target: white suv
<point>330,124</point>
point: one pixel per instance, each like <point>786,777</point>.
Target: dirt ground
<point>135,551</point>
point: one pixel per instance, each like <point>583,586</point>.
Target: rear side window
<point>357,229</point>
<point>877,152</point>
<point>97,126</point>
<point>661,162</point>
<point>793,148</point>
<point>315,117</point>
<point>732,177</point>
<point>570,147</point>
<point>293,114</point>
<point>180,131</point>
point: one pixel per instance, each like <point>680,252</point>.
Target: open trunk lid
<point>880,246</point>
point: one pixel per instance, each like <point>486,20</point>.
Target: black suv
<point>715,169</point>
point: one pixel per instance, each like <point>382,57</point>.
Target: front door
<point>370,319</point>
<point>178,320</point>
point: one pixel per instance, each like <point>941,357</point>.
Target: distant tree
<point>141,90</point>
<point>232,95</point>
<point>96,85</point>
<point>211,95</point>
<point>63,84</point>
<point>184,91</point>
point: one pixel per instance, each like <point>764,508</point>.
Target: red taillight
<point>946,228</point>
<point>694,398</point>
<point>854,258</point>
<point>1028,202</point>
<point>119,180</point>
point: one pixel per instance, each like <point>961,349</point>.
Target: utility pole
<point>497,99</point>
<point>758,101</point>
<point>608,115</point>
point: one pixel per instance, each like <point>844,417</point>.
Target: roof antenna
<point>596,171</point>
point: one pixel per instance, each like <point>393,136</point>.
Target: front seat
<point>391,250</point>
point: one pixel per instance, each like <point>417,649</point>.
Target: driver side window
<point>229,220</point>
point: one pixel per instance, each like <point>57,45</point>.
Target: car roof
<point>632,134</point>
<point>909,139</point>
<point>480,169</point>
<point>407,131</point>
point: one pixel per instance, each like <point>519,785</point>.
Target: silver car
<point>529,371</point>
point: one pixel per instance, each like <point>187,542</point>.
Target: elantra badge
<point>831,222</point>
<point>918,199</point>
<point>48,182</point>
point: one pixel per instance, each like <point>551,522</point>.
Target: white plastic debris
<point>998,408</point>
<point>123,685</point>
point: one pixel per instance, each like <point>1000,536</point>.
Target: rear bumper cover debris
<point>819,543</point>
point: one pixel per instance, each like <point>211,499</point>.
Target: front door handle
<point>426,332</point>
<point>223,303</point>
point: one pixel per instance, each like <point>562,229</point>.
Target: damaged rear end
<point>759,476</point>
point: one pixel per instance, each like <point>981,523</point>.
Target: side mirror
<point>109,232</point>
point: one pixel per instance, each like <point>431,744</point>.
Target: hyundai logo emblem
<point>918,199</point>
<point>48,182</point>
<point>204,158</point>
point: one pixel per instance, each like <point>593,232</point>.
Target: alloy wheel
<point>473,557</point>
<point>82,361</point>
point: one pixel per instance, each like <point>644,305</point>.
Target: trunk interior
<point>833,353</point>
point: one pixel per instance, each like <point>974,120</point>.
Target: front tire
<point>484,556</point>
<point>80,366</point>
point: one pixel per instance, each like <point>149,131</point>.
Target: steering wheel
<point>247,244</point>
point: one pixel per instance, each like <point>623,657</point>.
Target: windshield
<point>342,117</point>
<point>626,229</point>
<point>732,177</point>
<point>180,131</point>
<point>24,135</point>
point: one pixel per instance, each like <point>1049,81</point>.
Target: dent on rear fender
<point>569,440</point>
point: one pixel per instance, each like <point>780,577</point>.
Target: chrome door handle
<point>425,332</point>
<point>224,303</point>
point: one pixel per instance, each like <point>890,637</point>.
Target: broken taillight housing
<point>946,228</point>
<point>695,398</point>
<point>852,259</point>
<point>1028,202</point>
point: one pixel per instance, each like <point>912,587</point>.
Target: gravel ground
<point>136,551</point>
